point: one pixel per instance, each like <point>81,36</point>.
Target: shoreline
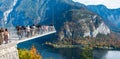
<point>79,46</point>
<point>61,46</point>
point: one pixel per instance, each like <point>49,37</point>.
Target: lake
<point>67,53</point>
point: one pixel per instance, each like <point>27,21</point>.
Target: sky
<point>111,4</point>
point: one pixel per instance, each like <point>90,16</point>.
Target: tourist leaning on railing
<point>23,32</point>
<point>18,28</point>
<point>38,29</point>
<point>51,27</point>
<point>28,31</point>
<point>33,30</point>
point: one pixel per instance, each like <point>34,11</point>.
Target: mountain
<point>31,11</point>
<point>57,12</point>
<point>108,10</point>
<point>110,4</point>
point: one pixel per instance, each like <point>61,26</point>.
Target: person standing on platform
<point>1,36</point>
<point>28,31</point>
<point>6,36</point>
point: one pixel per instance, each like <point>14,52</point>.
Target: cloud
<point>111,4</point>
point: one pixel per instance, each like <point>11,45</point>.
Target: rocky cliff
<point>81,22</point>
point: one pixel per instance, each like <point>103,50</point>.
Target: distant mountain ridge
<point>110,16</point>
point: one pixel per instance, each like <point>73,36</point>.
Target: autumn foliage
<point>29,54</point>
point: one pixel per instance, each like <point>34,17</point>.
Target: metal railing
<point>21,34</point>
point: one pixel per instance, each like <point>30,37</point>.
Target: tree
<point>29,54</point>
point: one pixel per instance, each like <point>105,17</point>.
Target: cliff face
<point>81,22</point>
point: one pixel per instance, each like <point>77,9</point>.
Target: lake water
<point>66,53</point>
